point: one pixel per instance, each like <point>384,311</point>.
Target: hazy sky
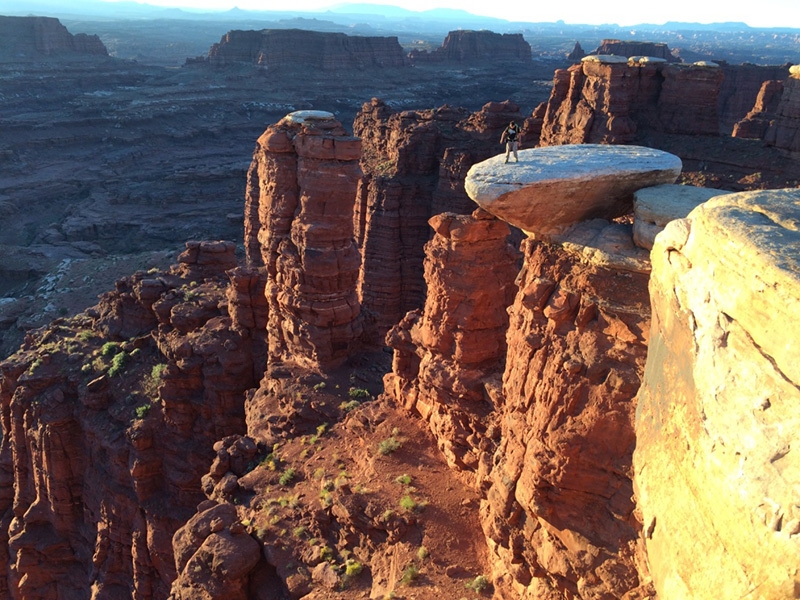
<point>763,13</point>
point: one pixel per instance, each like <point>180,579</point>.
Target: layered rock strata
<point>609,99</point>
<point>756,123</point>
<point>716,471</point>
<point>301,189</point>
<point>554,187</point>
<point>277,48</point>
<point>414,165</point>
<point>740,89</point>
<point>444,354</point>
<point>104,444</point>
<point>775,118</point>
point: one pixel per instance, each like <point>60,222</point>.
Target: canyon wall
<point>29,37</point>
<point>635,48</point>
<point>775,118</point>
<point>414,164</point>
<point>609,99</point>
<point>716,470</point>
<point>276,48</point>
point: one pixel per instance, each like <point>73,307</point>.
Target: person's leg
<point>508,150</point>
<point>516,147</point>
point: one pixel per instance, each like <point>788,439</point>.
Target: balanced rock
<point>656,206</point>
<point>716,470</point>
<point>557,186</point>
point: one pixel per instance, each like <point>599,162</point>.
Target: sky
<point>764,13</point>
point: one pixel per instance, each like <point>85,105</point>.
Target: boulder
<point>654,207</point>
<point>715,471</point>
<point>554,187</point>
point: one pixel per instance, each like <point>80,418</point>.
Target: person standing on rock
<point>510,138</point>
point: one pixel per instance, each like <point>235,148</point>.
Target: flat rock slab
<point>654,207</point>
<point>556,186</point>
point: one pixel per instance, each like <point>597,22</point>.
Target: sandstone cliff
<point>740,89</point>
<point>608,99</point>
<point>775,118</point>
<point>414,165</point>
<point>476,47</point>
<point>716,471</point>
<point>29,37</point>
<point>276,48</point>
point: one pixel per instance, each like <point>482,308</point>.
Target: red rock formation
<point>104,445</point>
<point>784,131</point>
<point>610,102</point>
<point>577,53</point>
<point>636,48</point>
<point>445,353</point>
<point>37,36</point>
<point>562,472</point>
<point>757,121</point>
<point>471,47</point>
<point>301,187</point>
<point>276,48</point>
<point>740,89</point>
<point>414,165</point>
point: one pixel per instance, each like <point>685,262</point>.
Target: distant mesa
<point>35,37</point>
<point>554,187</point>
<point>325,51</point>
<point>476,47</point>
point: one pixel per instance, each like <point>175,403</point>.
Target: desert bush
<point>389,445</point>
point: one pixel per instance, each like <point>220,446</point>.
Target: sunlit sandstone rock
<point>656,206</point>
<point>556,186</point>
<point>716,469</point>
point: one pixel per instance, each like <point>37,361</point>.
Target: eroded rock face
<point>555,187</point>
<point>741,87</point>
<point>104,444</point>
<point>414,165</point>
<point>275,48</point>
<point>605,101</point>
<point>445,353</point>
<point>301,189</point>
<point>558,515</point>
<point>715,466</point>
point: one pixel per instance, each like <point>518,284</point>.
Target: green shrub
<point>410,573</point>
<point>389,445</point>
<point>158,371</point>
<point>403,479</point>
<point>479,584</point>
<point>117,363</point>
<point>287,476</point>
<point>358,393</point>
<point>349,405</point>
<point>352,568</point>
<point>141,411</point>
<point>408,504</point>
<point>423,553</point>
<point>109,349</point>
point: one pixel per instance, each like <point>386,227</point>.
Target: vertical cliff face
<point>716,470</point>
<point>301,190</point>
<point>775,118</point>
<point>44,36</point>
<point>445,353</point>
<point>105,443</point>
<point>414,165</point>
<point>609,99</point>
<point>558,516</point>
<point>741,88</point>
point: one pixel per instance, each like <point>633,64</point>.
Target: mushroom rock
<point>716,470</point>
<point>654,207</point>
<point>556,186</point>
